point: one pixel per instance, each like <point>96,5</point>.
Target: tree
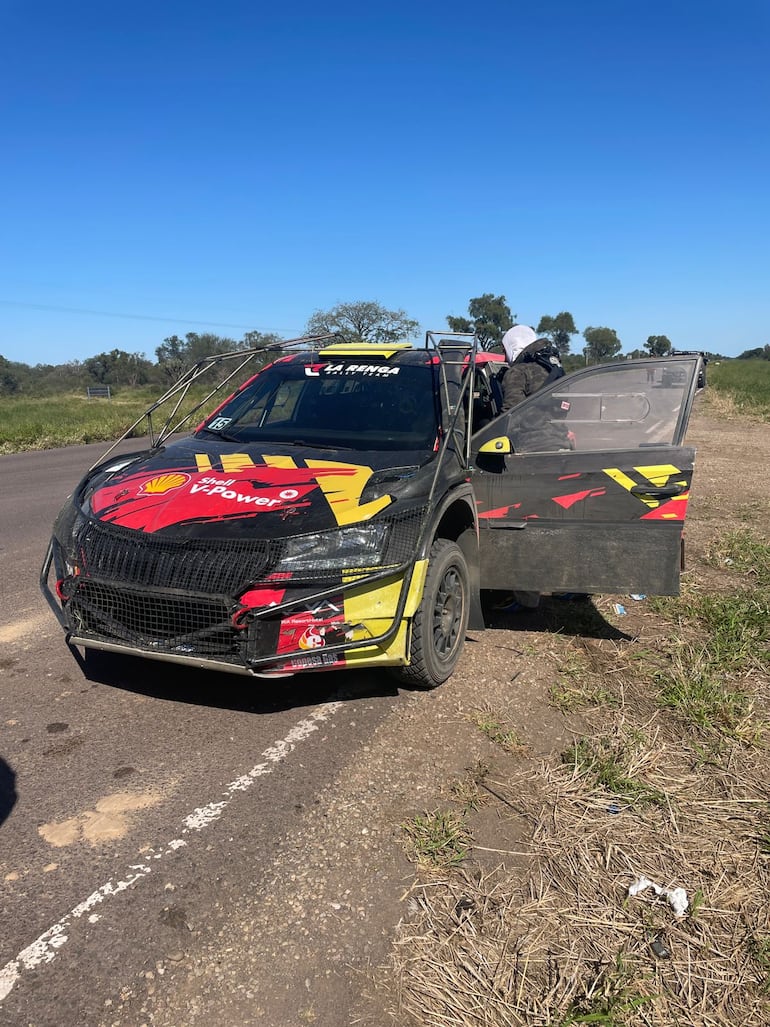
<point>602,344</point>
<point>259,340</point>
<point>119,368</point>
<point>171,357</point>
<point>658,345</point>
<point>760,353</point>
<point>9,383</point>
<point>558,329</point>
<point>175,355</point>
<point>365,321</point>
<point>54,379</point>
<point>490,318</point>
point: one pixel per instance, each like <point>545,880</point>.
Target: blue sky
<point>171,167</point>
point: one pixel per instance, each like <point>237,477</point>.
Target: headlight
<point>359,546</point>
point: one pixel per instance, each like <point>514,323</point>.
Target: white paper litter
<point>676,897</point>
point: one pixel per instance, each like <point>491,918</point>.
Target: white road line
<point>45,948</point>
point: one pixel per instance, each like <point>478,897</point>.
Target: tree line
<point>117,368</point>
<point>489,316</point>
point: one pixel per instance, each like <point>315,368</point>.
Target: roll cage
<point>454,352</point>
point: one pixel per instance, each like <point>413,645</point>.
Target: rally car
<point>346,505</point>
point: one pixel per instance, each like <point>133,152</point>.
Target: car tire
<point>441,619</point>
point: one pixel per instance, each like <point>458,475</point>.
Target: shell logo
<point>164,483</point>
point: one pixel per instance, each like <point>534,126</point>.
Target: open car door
<point>583,487</point>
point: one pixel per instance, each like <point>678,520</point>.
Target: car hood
<point>200,488</point>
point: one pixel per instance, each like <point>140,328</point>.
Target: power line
<point>134,317</point>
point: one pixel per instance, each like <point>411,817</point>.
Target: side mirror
<point>498,446</point>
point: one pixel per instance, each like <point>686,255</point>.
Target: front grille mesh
<point>163,623</point>
<point>154,561</point>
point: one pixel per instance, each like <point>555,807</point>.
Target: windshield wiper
<point>220,435</point>
<point>317,445</point>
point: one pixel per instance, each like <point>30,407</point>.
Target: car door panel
<point>544,527</point>
<point>607,519</point>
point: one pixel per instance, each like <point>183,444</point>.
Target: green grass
<point>580,682</point>
<point>71,420</point>
<point>608,1000</point>
<point>707,679</point>
<point>64,421</point>
<point>568,697</point>
<point>609,764</point>
<point>490,725</point>
<point>745,382</point>
<point>466,791</point>
<point>699,695</point>
<point>437,840</point>
<point>743,552</point>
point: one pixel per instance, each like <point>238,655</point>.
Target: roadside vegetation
<point>666,780</point>
<point>44,405</point>
<point>742,386</point>
<point>68,418</point>
<point>73,420</point>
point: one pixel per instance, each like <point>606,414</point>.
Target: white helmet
<point>517,339</point>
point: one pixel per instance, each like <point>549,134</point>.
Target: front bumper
<point>275,628</point>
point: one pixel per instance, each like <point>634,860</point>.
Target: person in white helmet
<point>533,362</point>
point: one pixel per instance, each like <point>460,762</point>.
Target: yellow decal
<point>231,462</point>
<point>363,349</point>
<point>342,484</point>
<point>343,491</point>
<point>234,462</point>
<point>372,603</point>
<point>375,608</point>
<point>392,655</point>
<point>280,461</point>
<point>622,479</point>
<point>657,475</point>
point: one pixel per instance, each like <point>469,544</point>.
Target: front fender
<point>454,518</point>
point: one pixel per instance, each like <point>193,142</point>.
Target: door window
<point>624,406</point>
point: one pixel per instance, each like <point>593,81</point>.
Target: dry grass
<point>666,779</point>
<point>567,945</point>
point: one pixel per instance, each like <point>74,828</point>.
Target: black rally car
<point>346,505</point>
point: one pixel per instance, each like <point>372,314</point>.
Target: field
<point>71,420</point>
<point>63,421</point>
<point>745,384</point>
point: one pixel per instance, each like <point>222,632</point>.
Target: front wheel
<point>440,622</point>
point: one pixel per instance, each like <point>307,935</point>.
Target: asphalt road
<point>139,802</point>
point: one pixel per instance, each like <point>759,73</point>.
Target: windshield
<point>337,404</point>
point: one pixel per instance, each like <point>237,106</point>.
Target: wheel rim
<point>448,613</point>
